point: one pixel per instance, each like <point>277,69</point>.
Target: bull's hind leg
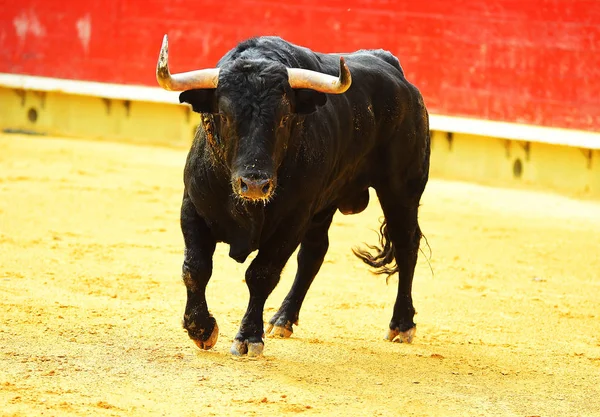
<point>399,191</point>
<point>197,269</point>
<point>310,258</point>
<point>402,229</point>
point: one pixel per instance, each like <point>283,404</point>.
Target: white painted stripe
<point>89,88</point>
<point>515,131</point>
<point>504,130</point>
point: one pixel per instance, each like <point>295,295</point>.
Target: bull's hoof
<point>280,325</point>
<point>396,336</point>
<point>210,342</point>
<point>276,330</point>
<point>243,347</point>
<point>199,336</point>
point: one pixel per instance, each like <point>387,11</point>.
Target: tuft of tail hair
<point>382,259</point>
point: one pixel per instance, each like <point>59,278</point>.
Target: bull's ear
<point>307,100</point>
<point>202,101</point>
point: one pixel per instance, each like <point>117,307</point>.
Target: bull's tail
<point>383,259</point>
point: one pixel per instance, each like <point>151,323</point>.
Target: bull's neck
<point>213,141</point>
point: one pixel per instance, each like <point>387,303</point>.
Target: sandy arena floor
<point>92,300</point>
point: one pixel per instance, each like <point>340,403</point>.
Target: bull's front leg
<point>197,270</point>
<point>312,252</point>
<point>261,277</point>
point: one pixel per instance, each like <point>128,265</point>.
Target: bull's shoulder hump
<point>375,56</point>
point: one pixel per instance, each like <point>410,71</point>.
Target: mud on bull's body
<point>287,137</point>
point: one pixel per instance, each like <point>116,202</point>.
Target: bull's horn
<point>199,79</point>
<point>302,78</point>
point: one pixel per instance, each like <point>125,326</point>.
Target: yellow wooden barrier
<point>501,154</point>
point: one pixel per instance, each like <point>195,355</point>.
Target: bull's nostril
<point>243,186</point>
<point>253,188</point>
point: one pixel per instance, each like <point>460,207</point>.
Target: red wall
<point>526,61</point>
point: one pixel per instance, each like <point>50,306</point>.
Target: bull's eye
<point>223,118</point>
<point>284,121</point>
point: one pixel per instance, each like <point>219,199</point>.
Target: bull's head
<point>253,103</point>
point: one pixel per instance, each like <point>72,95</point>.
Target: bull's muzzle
<point>254,188</point>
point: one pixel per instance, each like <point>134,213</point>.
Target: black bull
<point>271,164</point>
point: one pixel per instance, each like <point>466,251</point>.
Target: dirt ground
<point>91,300</point>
